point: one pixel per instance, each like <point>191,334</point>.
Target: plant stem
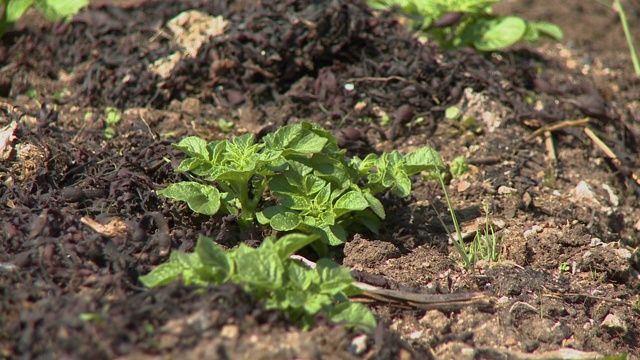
<point>627,34</point>
<point>458,241</point>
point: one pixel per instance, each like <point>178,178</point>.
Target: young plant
<point>470,23</point>
<point>485,245</point>
<point>53,10</point>
<point>268,272</point>
<point>299,176</point>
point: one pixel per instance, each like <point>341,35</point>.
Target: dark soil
<point>568,275</point>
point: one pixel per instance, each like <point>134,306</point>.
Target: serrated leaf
<point>203,199</point>
<point>353,315</point>
<point>162,275</point>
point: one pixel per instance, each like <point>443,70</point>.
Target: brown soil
<point>568,275</point>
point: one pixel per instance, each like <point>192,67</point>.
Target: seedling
<point>564,267</point>
<point>470,23</point>
<point>296,179</point>
<point>113,118</point>
<point>225,125</point>
<point>459,167</point>
<point>485,245</point>
<point>33,93</point>
<point>268,273</point>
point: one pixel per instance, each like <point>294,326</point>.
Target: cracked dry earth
<point>567,280</point>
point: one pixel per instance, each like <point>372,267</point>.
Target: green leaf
<point>214,260</point>
<point>279,217</point>
<point>329,168</point>
<point>299,276</point>
<point>369,220</point>
<point>423,159</point>
<point>354,315</point>
<point>258,267</point>
<point>290,243</point>
<point>294,139</point>
<point>547,29</point>
<point>498,32</point>
<point>350,201</point>
<point>195,147</point>
<point>197,166</point>
<point>333,277</point>
<point>402,186</point>
<point>162,275</point>
<point>203,199</point>
<point>55,10</point>
<point>374,204</point>
<point>333,235</point>
<point>16,8</point>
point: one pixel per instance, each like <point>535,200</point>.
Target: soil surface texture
<point>550,133</point>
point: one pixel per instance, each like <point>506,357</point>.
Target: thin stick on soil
<point>557,126</point>
<point>612,156</point>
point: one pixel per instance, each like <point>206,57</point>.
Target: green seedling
<point>485,245</point>
<point>268,273</point>
<point>469,23</point>
<point>296,179</point>
<point>53,10</point>
<point>59,94</point>
<point>459,167</point>
<point>33,93</point>
<point>225,125</point>
<point>113,118</point>
<point>452,113</point>
<point>564,267</point>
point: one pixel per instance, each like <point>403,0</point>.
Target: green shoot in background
<point>469,23</point>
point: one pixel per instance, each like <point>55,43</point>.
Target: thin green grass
<point>485,245</point>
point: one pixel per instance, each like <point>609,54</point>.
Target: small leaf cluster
<point>53,10</point>
<point>268,273</point>
<point>297,178</point>
<point>470,23</point>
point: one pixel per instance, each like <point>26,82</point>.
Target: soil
<point>81,220</point>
